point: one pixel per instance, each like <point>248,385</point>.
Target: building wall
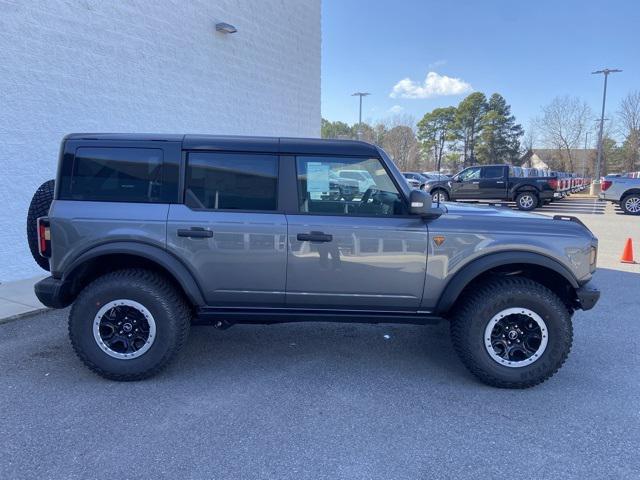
<point>143,66</point>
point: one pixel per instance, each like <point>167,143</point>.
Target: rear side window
<point>231,181</point>
<point>492,172</point>
<point>115,175</point>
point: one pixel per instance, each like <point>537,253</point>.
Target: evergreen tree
<point>469,123</point>
<point>500,136</point>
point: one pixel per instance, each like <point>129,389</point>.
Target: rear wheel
<point>512,333</point>
<point>631,204</point>
<point>527,201</point>
<point>39,207</point>
<point>129,324</point>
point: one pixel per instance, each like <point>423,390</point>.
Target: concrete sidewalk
<point>17,298</point>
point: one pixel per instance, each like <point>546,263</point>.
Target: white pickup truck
<point>622,190</point>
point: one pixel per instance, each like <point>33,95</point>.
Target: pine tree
<point>500,137</point>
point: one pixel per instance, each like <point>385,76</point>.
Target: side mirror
<point>420,203</point>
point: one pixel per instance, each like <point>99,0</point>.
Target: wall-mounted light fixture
<point>225,28</point>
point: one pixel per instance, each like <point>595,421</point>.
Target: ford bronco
<point>146,234</point>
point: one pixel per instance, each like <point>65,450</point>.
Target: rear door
<point>359,253</point>
<point>492,182</point>
<point>229,230</point>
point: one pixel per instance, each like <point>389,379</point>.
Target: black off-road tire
<point>39,207</point>
<point>474,312</point>
<point>527,201</point>
<point>630,204</point>
<point>170,311</point>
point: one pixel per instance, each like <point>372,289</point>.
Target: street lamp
<point>595,186</point>
<point>360,94</point>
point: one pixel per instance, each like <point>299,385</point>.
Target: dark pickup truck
<point>494,182</point>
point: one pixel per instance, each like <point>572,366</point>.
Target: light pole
<point>360,94</point>
<point>595,186</point>
<point>584,157</point>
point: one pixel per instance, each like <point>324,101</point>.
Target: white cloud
<point>435,85</point>
<point>396,109</point>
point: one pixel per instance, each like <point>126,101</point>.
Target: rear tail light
<point>553,183</point>
<point>606,184</point>
<point>44,237</point>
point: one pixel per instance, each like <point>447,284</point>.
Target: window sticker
<point>317,177</point>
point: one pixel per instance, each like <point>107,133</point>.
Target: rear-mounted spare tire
<point>39,207</point>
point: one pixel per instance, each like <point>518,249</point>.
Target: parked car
<point>415,180</point>
<point>494,182</point>
<point>340,188</point>
<point>147,234</point>
<point>436,176</point>
<point>518,172</point>
<point>363,177</point>
<point>624,191</point>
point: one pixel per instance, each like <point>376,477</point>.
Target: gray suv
<point>146,234</point>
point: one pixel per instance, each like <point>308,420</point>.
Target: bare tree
<point>629,118</point>
<point>562,126</point>
<point>399,141</point>
<point>530,136</point>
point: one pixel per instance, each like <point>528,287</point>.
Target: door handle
<point>314,237</point>
<point>195,232</point>
<point>475,183</point>
<point>499,181</point>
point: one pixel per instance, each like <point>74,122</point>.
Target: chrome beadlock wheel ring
<point>516,337</point>
<point>124,329</point>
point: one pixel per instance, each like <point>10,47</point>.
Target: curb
<point>22,315</point>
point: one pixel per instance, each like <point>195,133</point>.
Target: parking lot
<point>334,401</point>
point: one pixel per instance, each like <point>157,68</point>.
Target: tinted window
<point>231,181</point>
<point>492,172</point>
<point>115,175</point>
<point>346,186</point>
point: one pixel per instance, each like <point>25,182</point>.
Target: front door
<point>466,184</point>
<point>229,231</point>
<point>361,252</point>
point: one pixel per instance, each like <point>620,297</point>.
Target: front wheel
<point>527,201</point>
<point>631,204</point>
<point>129,324</point>
<point>440,196</point>
<point>512,332</point>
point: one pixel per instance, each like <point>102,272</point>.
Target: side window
<point>346,186</point>
<point>231,181</point>
<point>116,175</point>
<point>492,172</point>
<point>472,173</point>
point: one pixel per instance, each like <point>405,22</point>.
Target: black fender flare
<point>477,267</point>
<point>149,252</point>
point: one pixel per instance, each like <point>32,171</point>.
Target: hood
<point>490,218</point>
<point>456,208</point>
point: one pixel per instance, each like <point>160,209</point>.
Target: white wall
<point>143,66</point>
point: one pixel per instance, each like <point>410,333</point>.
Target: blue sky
<point>529,51</point>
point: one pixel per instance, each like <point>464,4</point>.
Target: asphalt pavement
<point>316,401</point>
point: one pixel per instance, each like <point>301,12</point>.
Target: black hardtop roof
<point>282,145</point>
